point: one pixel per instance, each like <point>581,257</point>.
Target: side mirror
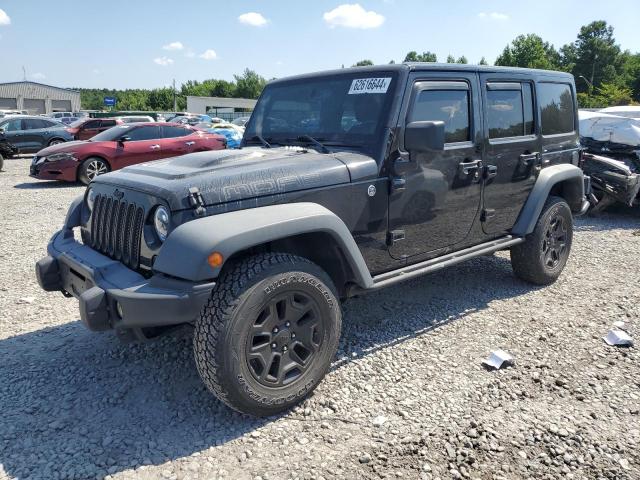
<point>124,138</point>
<point>424,136</point>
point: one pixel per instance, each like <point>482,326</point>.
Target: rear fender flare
<point>549,177</point>
<point>184,253</point>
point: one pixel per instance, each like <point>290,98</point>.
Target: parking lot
<point>407,396</point>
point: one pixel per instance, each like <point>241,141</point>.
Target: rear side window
<point>556,105</point>
<point>509,110</point>
<point>171,131</point>
<point>448,106</point>
<point>144,133</point>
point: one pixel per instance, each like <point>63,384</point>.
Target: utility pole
<point>175,100</point>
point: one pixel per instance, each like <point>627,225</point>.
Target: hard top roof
<point>428,66</point>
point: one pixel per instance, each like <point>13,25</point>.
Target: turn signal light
<point>215,259</point>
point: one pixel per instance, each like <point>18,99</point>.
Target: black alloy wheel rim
<point>285,339</point>
<point>554,242</point>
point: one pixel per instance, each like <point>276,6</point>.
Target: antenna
<point>24,74</point>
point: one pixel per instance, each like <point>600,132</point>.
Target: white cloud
<point>4,18</point>
<point>38,76</point>
<point>163,61</point>
<point>173,46</point>
<point>494,15</point>
<point>209,55</point>
<point>252,18</point>
<point>353,16</point>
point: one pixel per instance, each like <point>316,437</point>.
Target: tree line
<point>247,85</point>
<point>605,74</point>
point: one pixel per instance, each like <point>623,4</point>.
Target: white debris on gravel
<point>76,404</point>
<point>498,359</point>
<point>618,338</point>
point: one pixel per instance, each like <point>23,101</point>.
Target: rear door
<point>177,140</point>
<point>35,136</point>
<point>106,125</point>
<point>143,146</point>
<point>512,148</point>
<point>442,193</point>
<point>13,132</point>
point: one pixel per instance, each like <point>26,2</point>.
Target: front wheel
<point>56,141</point>
<point>542,257</point>
<point>268,333</point>
<point>91,168</point>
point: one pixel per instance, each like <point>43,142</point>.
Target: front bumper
<point>65,170</point>
<point>114,296</point>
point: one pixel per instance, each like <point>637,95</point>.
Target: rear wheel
<point>268,333</point>
<point>56,141</point>
<point>91,168</point>
<point>542,257</point>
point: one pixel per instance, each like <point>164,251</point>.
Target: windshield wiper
<point>310,139</point>
<point>261,139</point>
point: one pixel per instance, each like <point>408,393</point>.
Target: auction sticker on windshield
<point>369,85</point>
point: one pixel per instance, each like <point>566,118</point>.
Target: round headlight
<point>161,222</point>
<point>91,197</point>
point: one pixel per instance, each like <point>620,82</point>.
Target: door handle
<point>154,147</point>
<point>467,167</point>
<point>188,144</point>
<point>529,158</point>
<point>490,171</point>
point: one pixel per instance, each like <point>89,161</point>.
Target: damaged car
<point>611,157</point>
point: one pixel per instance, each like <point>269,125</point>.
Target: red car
<point>85,128</point>
<point>119,147</point>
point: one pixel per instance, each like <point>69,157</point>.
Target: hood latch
<point>196,201</point>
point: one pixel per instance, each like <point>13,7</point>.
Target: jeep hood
<point>230,175</point>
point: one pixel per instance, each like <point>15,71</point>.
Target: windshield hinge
<point>196,201</point>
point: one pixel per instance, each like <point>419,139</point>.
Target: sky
<point>148,44</point>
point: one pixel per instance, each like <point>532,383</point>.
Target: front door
<point>442,189</point>
<point>512,148</point>
<point>89,129</point>
<point>14,132</point>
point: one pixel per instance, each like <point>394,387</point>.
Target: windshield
<point>113,134</point>
<point>344,109</point>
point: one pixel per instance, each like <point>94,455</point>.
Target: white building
<point>37,98</point>
<point>226,108</point>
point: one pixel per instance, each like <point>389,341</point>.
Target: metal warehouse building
<point>38,98</point>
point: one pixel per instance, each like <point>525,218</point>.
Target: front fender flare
<point>184,253</point>
<point>547,179</point>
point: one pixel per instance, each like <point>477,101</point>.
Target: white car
<point>627,111</point>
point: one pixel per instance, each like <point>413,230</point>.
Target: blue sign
<point>110,101</point>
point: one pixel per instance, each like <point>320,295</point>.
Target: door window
<point>33,124</point>
<point>557,108</point>
<point>144,133</point>
<point>448,106</point>
<point>12,126</point>
<point>92,124</point>
<point>170,131</point>
<point>108,123</point>
<point>509,110</point>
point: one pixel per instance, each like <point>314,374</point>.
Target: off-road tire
<point>85,172</point>
<point>528,259</point>
<point>228,323</point>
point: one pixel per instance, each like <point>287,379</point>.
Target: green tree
<point>363,63</point>
<point>483,61</point>
<point>462,60</point>
<point>594,57</point>
<point>529,51</point>
<point>451,59</point>
<point>249,84</point>
<point>424,57</point>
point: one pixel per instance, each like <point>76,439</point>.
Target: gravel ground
<point>407,396</point>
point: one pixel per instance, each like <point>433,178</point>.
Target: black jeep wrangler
<point>347,181</point>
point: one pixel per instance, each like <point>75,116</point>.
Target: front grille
<point>116,229</point>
